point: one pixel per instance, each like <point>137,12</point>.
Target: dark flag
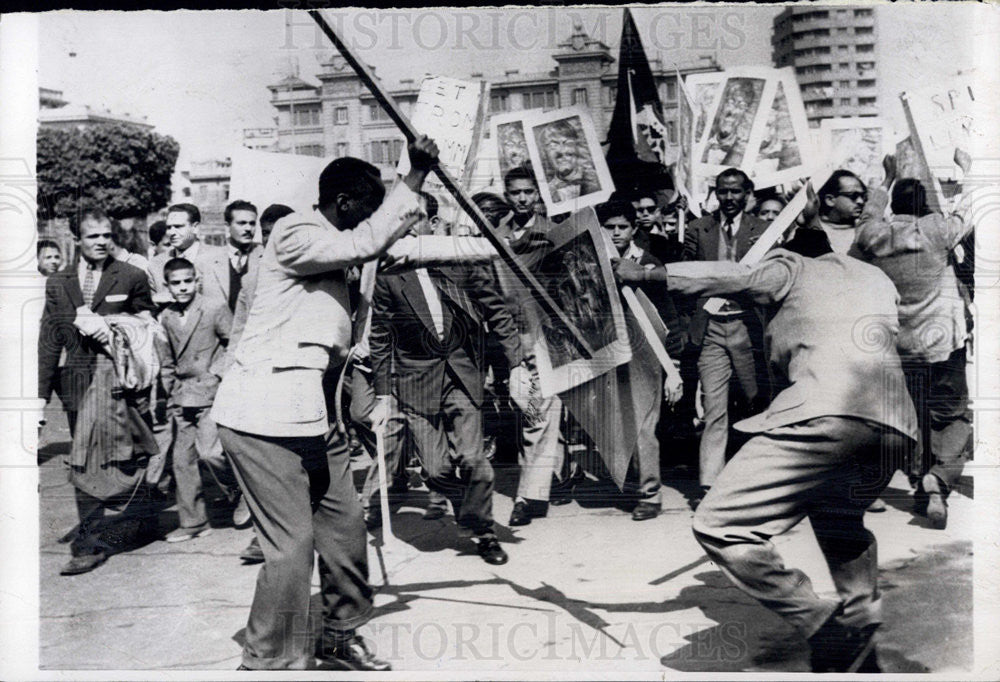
<point>637,137</point>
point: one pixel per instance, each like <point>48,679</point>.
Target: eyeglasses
<point>854,196</point>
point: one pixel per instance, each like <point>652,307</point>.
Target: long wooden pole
<point>506,255</point>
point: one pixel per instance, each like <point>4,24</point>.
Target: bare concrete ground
<point>586,590</point>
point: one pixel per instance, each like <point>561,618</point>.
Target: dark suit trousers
<point>302,497</point>
<point>453,436</point>
<point>829,469</point>
<point>941,395</point>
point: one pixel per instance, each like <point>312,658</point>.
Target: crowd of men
<point>372,323</point>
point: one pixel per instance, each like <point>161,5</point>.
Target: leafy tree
<point>123,169</point>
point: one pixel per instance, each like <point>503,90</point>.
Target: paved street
<point>586,589</point>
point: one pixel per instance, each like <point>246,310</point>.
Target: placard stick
<point>681,219</point>
<point>506,255</point>
<point>651,338</point>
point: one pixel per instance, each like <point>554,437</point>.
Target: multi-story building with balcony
<point>340,117</point>
<point>832,49</point>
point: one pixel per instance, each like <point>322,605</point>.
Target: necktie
<point>729,239</point>
<point>89,286</point>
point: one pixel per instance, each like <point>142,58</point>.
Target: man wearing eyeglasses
<point>842,199</point>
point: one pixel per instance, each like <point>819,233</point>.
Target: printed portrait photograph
<point>730,132</point>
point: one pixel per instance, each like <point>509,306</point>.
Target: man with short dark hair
<point>182,223</point>
<point>158,242</point>
<point>298,485</point>
<point>842,199</point>
<point>913,248</point>
<point>77,300</point>
<point>542,446</point>
<point>728,338</point>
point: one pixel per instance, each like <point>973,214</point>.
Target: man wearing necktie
<point>427,349</point>
<point>731,338</point>
<point>77,299</point>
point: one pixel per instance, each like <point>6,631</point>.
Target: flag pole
<point>527,279</point>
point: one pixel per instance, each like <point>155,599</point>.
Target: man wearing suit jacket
<point>221,268</point>
<point>272,415</point>
<point>727,339</point>
<point>824,448</point>
<point>76,301</point>
<point>428,331</point>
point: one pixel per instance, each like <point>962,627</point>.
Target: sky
<point>201,77</point>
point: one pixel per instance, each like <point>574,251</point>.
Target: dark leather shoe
<point>525,510</point>
<point>646,510</point>
<point>491,551</point>
<point>937,505</point>
<point>349,651</point>
<point>373,518</point>
<point>253,554</point>
<point>84,563</point>
<point>836,648</point>
<point>435,512</point>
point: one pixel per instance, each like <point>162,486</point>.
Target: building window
<point>862,13</point>
<point>841,31</point>
<point>343,149</point>
<point>545,99</point>
<point>610,94</point>
<point>580,96</point>
<point>499,103</point>
<point>845,101</point>
<point>386,151</point>
<point>865,48</point>
<point>305,116</point>
<point>672,132</point>
<point>866,101</point>
<point>843,49</point>
<point>844,84</point>
<point>864,30</point>
<point>844,65</point>
<point>311,149</point>
<point>866,83</point>
<point>377,113</point>
<point>340,116</point>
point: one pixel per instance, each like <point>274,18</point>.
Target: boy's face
<point>49,261</point>
<point>182,284</point>
<point>621,232</point>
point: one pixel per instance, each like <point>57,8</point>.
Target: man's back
<point>914,253</point>
<point>833,336</point>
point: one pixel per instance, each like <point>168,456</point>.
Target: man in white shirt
<point>731,339</point>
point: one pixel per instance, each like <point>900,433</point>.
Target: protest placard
<point>446,111</point>
<point>855,144</point>
<point>566,155</point>
<point>577,275</point>
<point>783,144</point>
<point>266,178</point>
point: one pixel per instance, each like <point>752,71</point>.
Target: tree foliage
<point>120,168</point>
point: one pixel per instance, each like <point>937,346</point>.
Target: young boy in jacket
<point>197,332</point>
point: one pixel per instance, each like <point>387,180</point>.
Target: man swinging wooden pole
<point>522,273</point>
